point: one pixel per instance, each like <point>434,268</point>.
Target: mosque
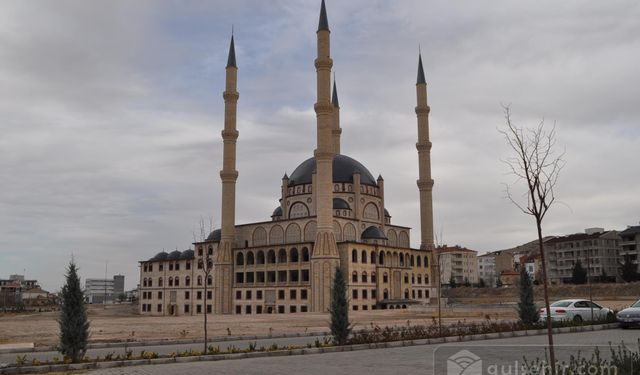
<point>331,214</point>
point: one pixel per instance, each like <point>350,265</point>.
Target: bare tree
<point>205,263</point>
<point>535,162</point>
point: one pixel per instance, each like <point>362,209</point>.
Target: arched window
<point>385,294</point>
<point>363,257</point>
<point>150,282</point>
<point>426,261</point>
<point>385,278</point>
<point>199,280</point>
<point>282,256</point>
<point>426,279</point>
<point>406,278</point>
<point>403,239</point>
<point>260,259</point>
<point>419,260</point>
<point>177,281</point>
<point>406,294</point>
<point>209,264</point>
<point>305,254</point>
<point>210,250</point>
<point>395,260</point>
<point>349,232</point>
<point>371,211</point>
<point>310,231</point>
<point>401,260</point>
<point>276,235</point>
<point>413,278</point>
<point>187,281</point>
<point>412,261</point>
<point>298,209</point>
<point>419,278</point>
<point>389,259</point>
<point>209,280</point>
<point>293,233</point>
<point>364,277</point>
<point>354,277</point>
<point>144,282</point>
<point>354,256</point>
<point>293,255</point>
<point>373,277</point>
<point>271,256</point>
<point>393,238</point>
<point>259,236</point>
<point>250,258</point>
<point>160,281</point>
<point>381,262</point>
<point>239,259</point>
<point>372,258</point>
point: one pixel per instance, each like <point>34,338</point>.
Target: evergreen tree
<point>73,321</point>
<point>527,310</point>
<point>452,282</point>
<point>629,269</point>
<point>579,275</point>
<point>340,325</point>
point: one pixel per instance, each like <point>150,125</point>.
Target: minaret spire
<point>425,182</point>
<point>222,273</point>
<point>336,131</point>
<point>324,257</point>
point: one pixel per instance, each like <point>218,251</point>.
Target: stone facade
<point>331,214</point>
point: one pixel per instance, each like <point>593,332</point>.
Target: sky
<point>111,112</point>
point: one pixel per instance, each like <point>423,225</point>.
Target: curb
<point>298,351</point>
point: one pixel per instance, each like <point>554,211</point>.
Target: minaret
<point>223,273</point>
<point>336,131</point>
<point>425,183</point>
<point>324,258</point>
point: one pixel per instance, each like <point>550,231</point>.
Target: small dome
<point>215,235</point>
<point>386,213</point>
<point>277,212</point>
<point>340,204</point>
<point>174,255</point>
<point>187,254</point>
<point>373,233</point>
<point>160,256</point>
<point>343,169</point>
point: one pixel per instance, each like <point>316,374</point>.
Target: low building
<point>597,250</point>
<point>491,265</point>
<point>10,295</point>
<point>509,278</point>
<point>459,264</point>
<point>630,243</point>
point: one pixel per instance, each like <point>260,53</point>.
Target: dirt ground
<point>121,322</point>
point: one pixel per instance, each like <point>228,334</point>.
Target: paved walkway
<point>405,360</point>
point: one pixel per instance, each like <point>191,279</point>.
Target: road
<point>405,360</point>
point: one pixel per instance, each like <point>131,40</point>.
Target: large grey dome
<point>343,168</point>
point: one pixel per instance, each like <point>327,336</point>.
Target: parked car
<point>630,316</point>
<point>576,310</point>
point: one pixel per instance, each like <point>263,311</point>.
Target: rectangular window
<point>238,309</point>
<point>281,294</point>
<point>188,265</point>
<point>160,266</point>
<point>247,309</point>
<point>186,309</point>
<point>199,309</point>
<point>199,295</point>
<point>159,295</point>
<point>281,309</point>
<point>303,294</point>
<point>365,307</point>
<point>282,276</point>
<point>238,294</point>
<point>259,294</point>
<point>187,295</point>
<point>305,275</point>
<point>209,295</point>
<point>303,308</point>
<point>240,277</point>
<point>170,266</point>
<point>177,266</point>
<point>249,277</point>
<point>159,307</point>
<point>364,293</point>
<point>419,293</point>
<point>354,294</point>
<point>373,293</point>
<point>260,277</point>
<point>209,309</point>
<point>355,307</point>
<point>271,276</point>
<point>293,294</point>
<point>292,309</point>
<point>293,276</point>
<point>248,294</point>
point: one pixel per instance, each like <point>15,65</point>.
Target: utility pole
<point>104,301</point>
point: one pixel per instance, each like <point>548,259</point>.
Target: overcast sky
<point>111,112</point>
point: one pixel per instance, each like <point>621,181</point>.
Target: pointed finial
<point>231,60</point>
<point>334,97</point>
<point>421,78</point>
<point>323,24</point>
<point>285,177</point>
<point>380,178</point>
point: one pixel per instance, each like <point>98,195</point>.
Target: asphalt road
<point>412,359</point>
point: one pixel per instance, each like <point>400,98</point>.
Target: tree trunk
<point>552,354</point>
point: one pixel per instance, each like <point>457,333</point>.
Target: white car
<point>576,310</point>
